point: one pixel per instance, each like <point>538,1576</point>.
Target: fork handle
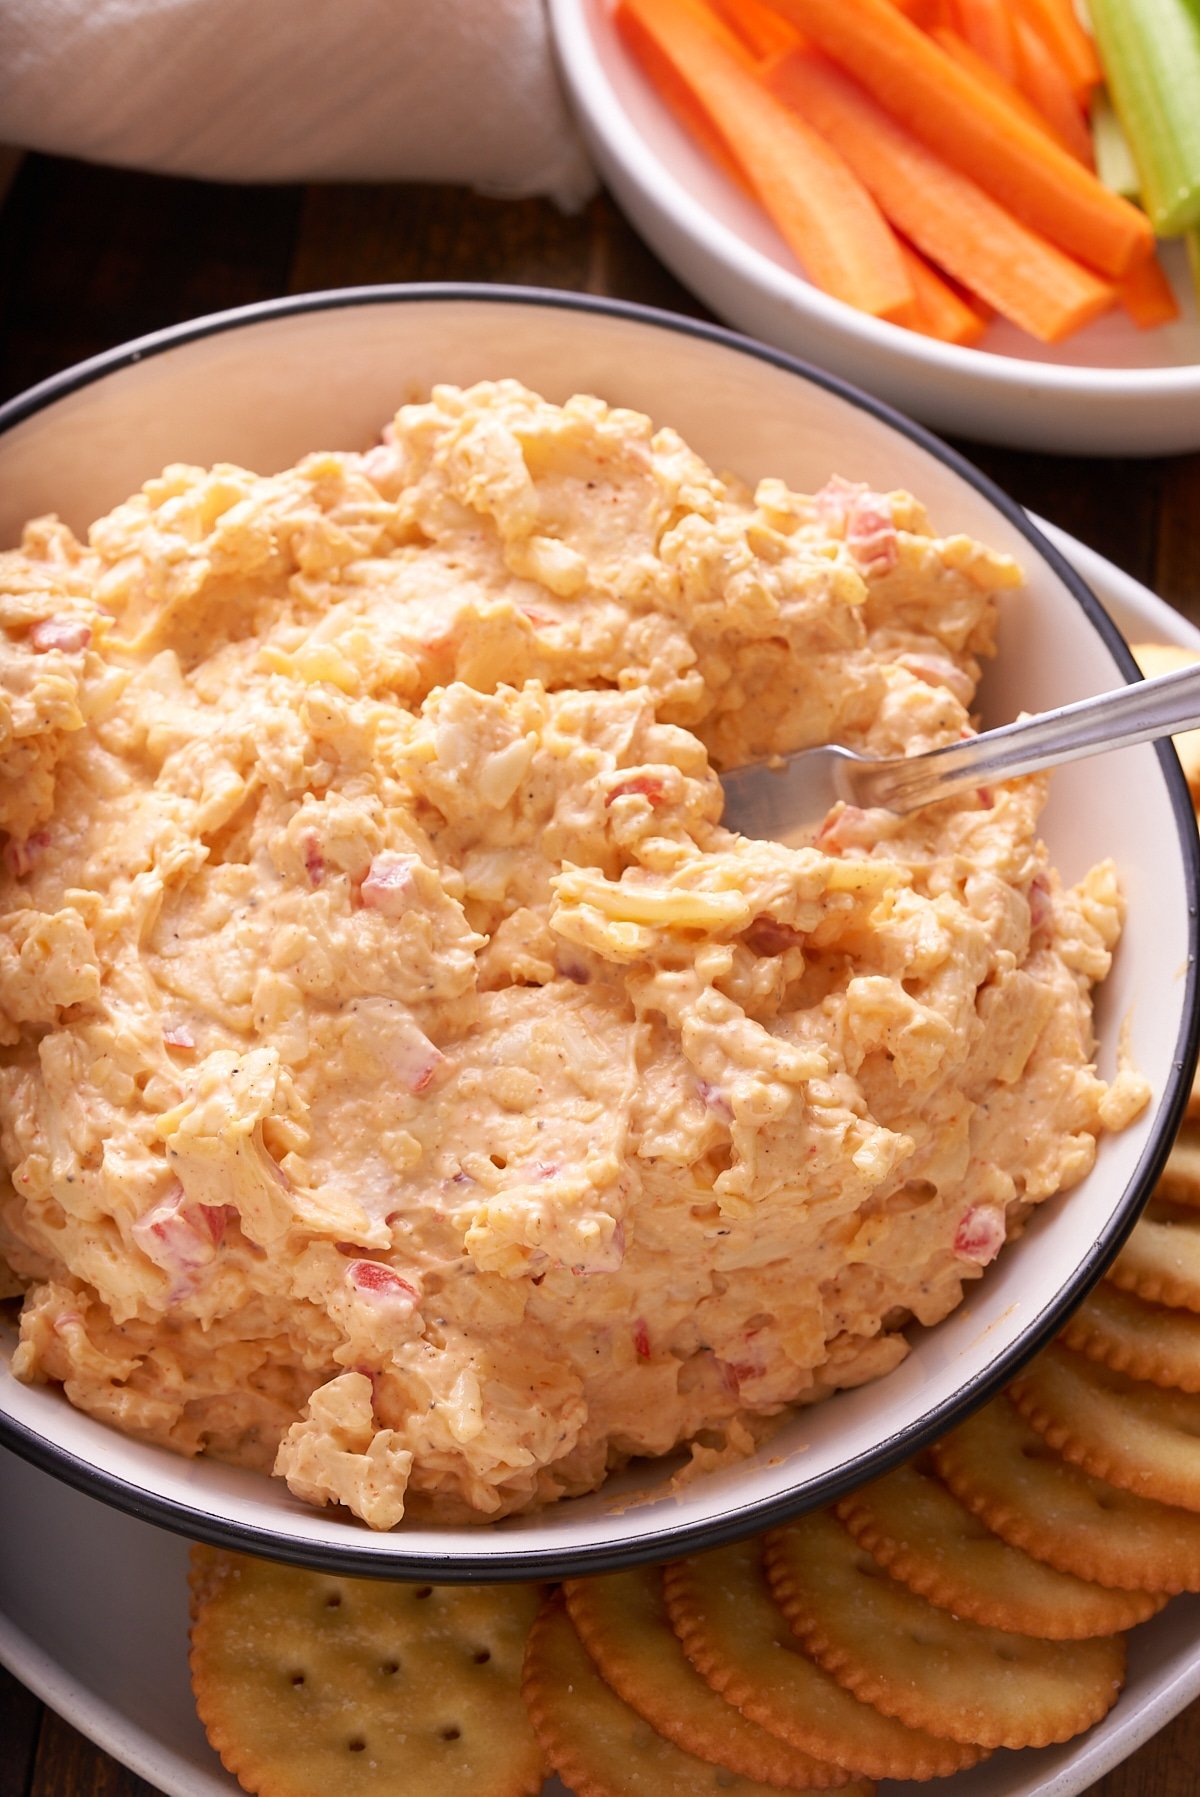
<point>1136,713</point>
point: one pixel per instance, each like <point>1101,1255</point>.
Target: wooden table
<point>92,257</point>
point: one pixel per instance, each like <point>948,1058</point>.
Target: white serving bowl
<point>1109,390</point>
<point>263,385</point>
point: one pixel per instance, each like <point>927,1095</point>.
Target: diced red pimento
<point>389,886</point>
<point>68,634</point>
<point>423,1075</point>
<point>938,670</point>
<point>570,966</point>
<point>180,1237</point>
<point>768,936</point>
<point>1041,905</point>
<point>871,539</point>
<point>377,1278</point>
<point>414,1061</point>
<point>980,1234</point>
<point>314,860</point>
<point>20,856</point>
<point>846,827</point>
<point>641,1339</point>
<point>714,1100</point>
<point>214,1218</point>
<point>864,520</point>
<point>834,499</point>
<point>646,786</point>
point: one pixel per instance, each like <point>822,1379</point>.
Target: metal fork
<point>786,798</point>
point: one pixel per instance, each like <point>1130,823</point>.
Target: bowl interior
<point>264,387</point>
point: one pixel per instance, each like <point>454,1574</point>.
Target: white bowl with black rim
<point>1110,389</point>
<point>262,385</point>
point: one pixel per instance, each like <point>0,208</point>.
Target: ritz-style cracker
<point>1008,1474</point>
<point>924,1666</point>
<point>918,1531</point>
<point>622,1620</point>
<point>737,1636</point>
<point>599,1746</point>
<point>1147,1341</point>
<point>310,1683</point>
<point>1132,1433</point>
<point>1179,1181</point>
<point>1161,1260</point>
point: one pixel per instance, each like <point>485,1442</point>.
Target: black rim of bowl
<point>453,1562</point>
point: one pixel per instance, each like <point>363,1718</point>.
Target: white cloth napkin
<point>295,90</point>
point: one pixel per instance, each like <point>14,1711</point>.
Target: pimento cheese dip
<point>408,1086</point>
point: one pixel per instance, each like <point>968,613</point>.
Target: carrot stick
<point>925,13</point>
<point>947,217</point>
<point>1069,44</point>
<point>960,50</point>
<point>1147,296</point>
<point>822,211</point>
<point>759,26</point>
<point>955,115</point>
<point>988,28</point>
<point>664,76</point>
<point>1043,82</point>
<point>941,312</point>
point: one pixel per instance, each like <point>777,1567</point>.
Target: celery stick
<point>1114,159</point>
<point>1192,240</point>
<point>1150,50</point>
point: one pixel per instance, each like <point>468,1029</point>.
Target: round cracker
<point>622,1620</point>
<point>1166,658</point>
<point>1146,1341</point>
<point>309,1683</point>
<point>927,1668</point>
<point>738,1638</point>
<point>1136,1435</point>
<point>1161,1260</point>
<point>1179,1181</point>
<point>918,1532</point>
<point>207,1566</point>
<point>1008,1475</point>
<point>597,1744</point>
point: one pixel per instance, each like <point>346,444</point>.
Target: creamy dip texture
<point>407,1084</point>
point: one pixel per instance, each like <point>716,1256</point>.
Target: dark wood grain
<point>20,1720</point>
<point>91,257</point>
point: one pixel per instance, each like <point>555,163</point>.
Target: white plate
<point>93,1603</point>
<point>1111,389</point>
